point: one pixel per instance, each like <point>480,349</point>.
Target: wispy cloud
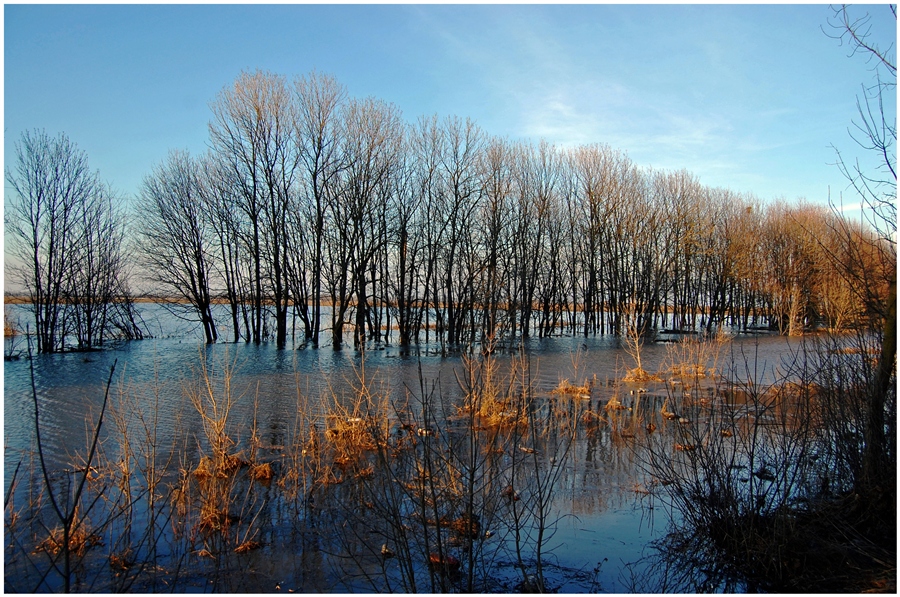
<point>674,101</point>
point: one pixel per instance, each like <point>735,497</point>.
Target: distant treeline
<point>437,231</point>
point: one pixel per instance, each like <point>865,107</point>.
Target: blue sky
<point>745,97</point>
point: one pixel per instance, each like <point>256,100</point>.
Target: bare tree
<point>494,228</point>
<point>536,178</point>
<point>371,139</point>
<point>96,276</point>
<point>178,241</point>
<point>319,99</point>
<point>406,246</point>
<point>66,243</point>
<point>253,133</point>
<point>427,143</point>
<point>461,181</point>
<point>876,186</point>
<point>50,179</point>
<point>220,201</point>
<point>550,290</point>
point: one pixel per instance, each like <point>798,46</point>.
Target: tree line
<point>313,210</point>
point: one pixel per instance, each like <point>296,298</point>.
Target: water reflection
<point>601,509</point>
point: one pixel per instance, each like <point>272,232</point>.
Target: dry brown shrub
<point>205,469</point>
<point>692,370</point>
<point>291,477</point>
<point>261,472</point>
<point>496,400</point>
<point>696,357</point>
<point>80,540</point>
<point>343,462</point>
<point>121,562</point>
<point>567,388</point>
<point>329,478</point>
<point>505,419</point>
<point>350,435</point>
<point>467,526</point>
<point>232,462</point>
<point>247,546</point>
<point>614,404</point>
<point>445,564</point>
<point>366,472</point>
<point>589,417</point>
<point>640,375</point>
<point>215,519</point>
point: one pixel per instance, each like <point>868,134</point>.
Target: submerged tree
<point>96,276</point>
<point>314,197</point>
<point>67,244</point>
<point>50,180</point>
<point>177,236</point>
<point>319,99</point>
<point>253,137</point>
<point>356,209</point>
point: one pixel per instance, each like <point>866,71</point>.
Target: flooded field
<point>243,468</point>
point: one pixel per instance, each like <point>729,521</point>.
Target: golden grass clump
<point>80,540</point>
<point>232,462</point>
<point>493,413</point>
<point>215,519</point>
<point>567,388</point>
<point>261,472</point>
<point>696,357</point>
<point>121,562</point>
<point>206,469</point>
<point>350,436</point>
<point>496,400</point>
<point>614,404</point>
<point>640,375</point>
<point>467,526</point>
<point>247,546</point>
<point>694,370</point>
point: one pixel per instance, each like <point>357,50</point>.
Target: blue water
<point>602,524</point>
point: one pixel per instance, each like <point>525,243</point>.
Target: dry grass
<point>696,357</point>
<point>567,388</point>
<point>436,477</point>
<point>638,375</point>
<point>10,328</point>
<point>80,540</point>
<point>247,546</point>
<point>261,472</point>
<point>216,519</point>
<point>495,400</point>
<point>350,436</point>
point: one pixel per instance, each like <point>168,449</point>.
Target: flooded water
<point>600,517</point>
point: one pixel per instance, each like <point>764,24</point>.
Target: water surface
<point>602,516</point>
